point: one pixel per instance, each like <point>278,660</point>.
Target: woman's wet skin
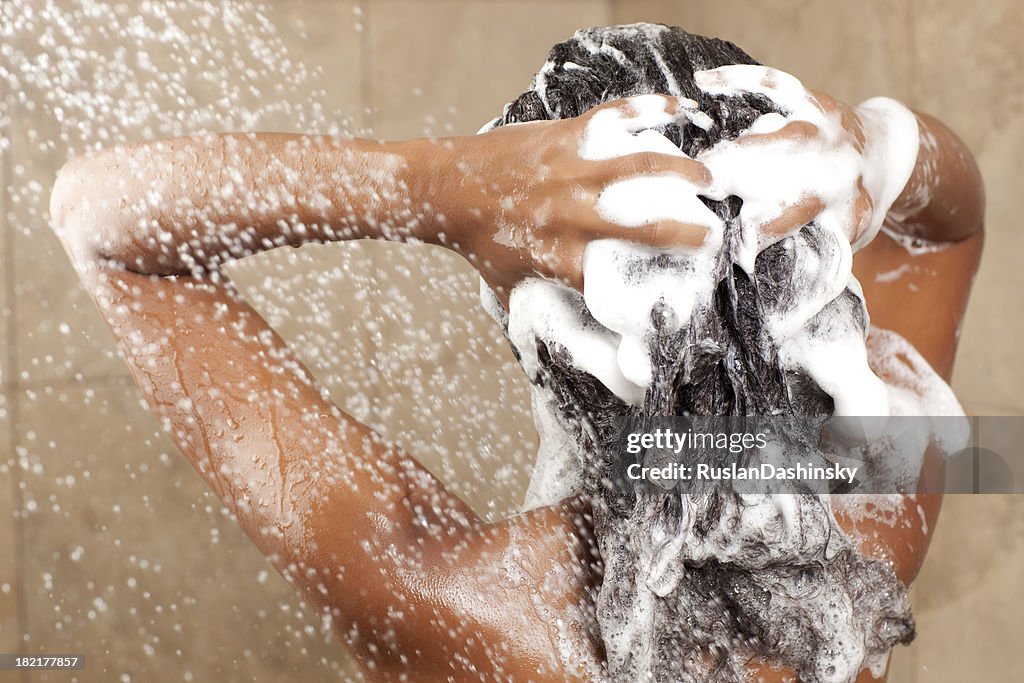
<point>415,582</point>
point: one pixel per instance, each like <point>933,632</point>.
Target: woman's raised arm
<point>521,200</point>
<point>188,204</point>
<point>358,526</point>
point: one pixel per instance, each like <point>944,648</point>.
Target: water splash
<point>80,75</point>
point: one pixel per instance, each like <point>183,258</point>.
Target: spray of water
<point>82,75</point>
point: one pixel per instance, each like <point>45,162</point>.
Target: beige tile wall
<point>6,273</point>
<point>971,74</point>
<point>404,67</point>
<point>105,574</point>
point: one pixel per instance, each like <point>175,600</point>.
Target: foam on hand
<point>831,165</point>
<point>605,331</point>
<point>615,132</point>
<point>830,168</point>
<point>625,283</point>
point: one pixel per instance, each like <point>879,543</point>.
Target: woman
<point>416,585</point>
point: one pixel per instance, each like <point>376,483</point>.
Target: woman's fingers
<point>860,219</point>
<point>790,220</point>
<point>669,234</point>
<point>641,112</point>
<point>791,131</point>
<point>627,126</point>
<point>663,233</point>
<point>653,163</point>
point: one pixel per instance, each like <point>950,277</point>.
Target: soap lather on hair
<point>696,584</point>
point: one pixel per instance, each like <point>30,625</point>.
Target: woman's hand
<point>821,160</point>
<point>527,198</point>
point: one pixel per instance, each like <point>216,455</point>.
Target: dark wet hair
<point>720,363</point>
<point>730,368</point>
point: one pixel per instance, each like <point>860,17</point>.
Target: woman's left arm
<point>147,227</point>
<point>357,525</point>
<point>519,201</point>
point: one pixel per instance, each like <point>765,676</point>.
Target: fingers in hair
<point>654,163</point>
<point>782,88</point>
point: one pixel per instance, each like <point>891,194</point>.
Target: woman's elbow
<point>87,210</point>
<point>68,211</point>
<point>73,211</point>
